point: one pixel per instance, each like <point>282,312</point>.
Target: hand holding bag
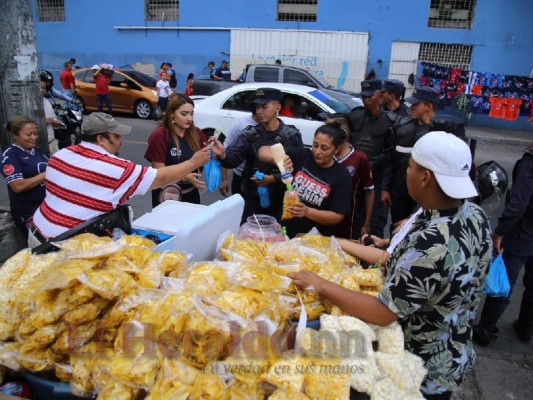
<point>497,283</point>
<point>213,176</point>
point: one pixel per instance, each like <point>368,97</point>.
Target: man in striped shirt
<point>88,180</point>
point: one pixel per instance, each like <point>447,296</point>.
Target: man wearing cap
<point>88,180</point>
<point>223,73</point>
<point>392,97</point>
<point>371,134</point>
<point>435,275</point>
<point>407,130</point>
<point>269,131</point>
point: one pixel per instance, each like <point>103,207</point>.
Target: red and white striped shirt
<point>85,181</point>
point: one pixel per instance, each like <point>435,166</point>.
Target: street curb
<point>509,141</point>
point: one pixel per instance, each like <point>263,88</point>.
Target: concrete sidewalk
<point>499,136</point>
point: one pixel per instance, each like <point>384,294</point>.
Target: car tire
<point>143,109</point>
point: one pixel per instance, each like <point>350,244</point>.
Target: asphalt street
<point>504,370</point>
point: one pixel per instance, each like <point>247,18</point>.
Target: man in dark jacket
<point>392,96</point>
<point>372,135</point>
<point>513,236</point>
<point>407,130</point>
<point>271,130</point>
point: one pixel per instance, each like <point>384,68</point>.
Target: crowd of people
<point>380,156</point>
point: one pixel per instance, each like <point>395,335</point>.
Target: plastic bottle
<point>264,197</point>
<point>278,152</point>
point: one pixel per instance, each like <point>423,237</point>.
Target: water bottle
<point>264,197</point>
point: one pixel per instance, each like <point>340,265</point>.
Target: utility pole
<point>20,88</point>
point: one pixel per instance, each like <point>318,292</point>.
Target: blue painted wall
<point>502,33</point>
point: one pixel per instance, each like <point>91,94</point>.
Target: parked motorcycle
<point>69,115</point>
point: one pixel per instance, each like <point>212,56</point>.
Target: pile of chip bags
<point>121,321</point>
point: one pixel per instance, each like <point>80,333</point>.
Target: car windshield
<point>322,81</point>
<point>141,78</point>
<point>335,104</point>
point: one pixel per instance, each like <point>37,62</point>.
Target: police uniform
<point>245,148</point>
<point>406,133</point>
<point>398,88</point>
<point>515,226</point>
<point>371,134</point>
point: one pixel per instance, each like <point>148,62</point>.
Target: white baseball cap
<point>449,158</point>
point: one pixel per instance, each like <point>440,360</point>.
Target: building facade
<point>341,40</point>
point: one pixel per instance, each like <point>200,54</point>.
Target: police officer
<point>269,131</point>
<point>371,134</point>
<point>392,96</point>
<point>513,236</point>
<point>407,130</point>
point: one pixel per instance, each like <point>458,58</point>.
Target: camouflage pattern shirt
<point>434,282</point>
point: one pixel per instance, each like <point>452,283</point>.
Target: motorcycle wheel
<point>143,109</point>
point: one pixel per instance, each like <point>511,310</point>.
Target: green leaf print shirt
<point>434,281</point>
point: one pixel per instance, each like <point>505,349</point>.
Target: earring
<point>172,120</point>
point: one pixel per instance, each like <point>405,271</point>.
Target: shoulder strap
<point>358,118</point>
<point>286,132</point>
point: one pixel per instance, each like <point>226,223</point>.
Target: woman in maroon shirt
<point>175,140</point>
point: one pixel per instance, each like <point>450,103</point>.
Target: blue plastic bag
<point>212,173</point>
<point>497,283</point>
<point>264,196</point>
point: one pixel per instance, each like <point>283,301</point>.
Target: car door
<point>234,107</point>
<point>309,117</point>
<point>120,97</point>
<point>85,87</point>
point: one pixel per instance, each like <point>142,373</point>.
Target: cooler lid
<point>169,216</point>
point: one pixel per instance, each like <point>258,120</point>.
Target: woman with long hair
<point>175,140</point>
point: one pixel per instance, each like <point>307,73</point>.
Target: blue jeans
<point>100,98</point>
<point>495,306</point>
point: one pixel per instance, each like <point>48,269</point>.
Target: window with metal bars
<point>297,10</point>
<point>161,10</point>
<point>453,55</point>
<point>51,10</point>
<point>457,14</point>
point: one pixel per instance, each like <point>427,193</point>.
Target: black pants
<point>495,306</point>
<point>236,181</point>
<point>402,204</point>
<point>380,211</point>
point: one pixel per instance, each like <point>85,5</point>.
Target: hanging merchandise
<point>496,95</point>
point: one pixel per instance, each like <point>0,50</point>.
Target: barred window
<point>51,10</point>
<point>457,14</point>
<point>297,10</point>
<point>453,55</point>
<point>161,10</point>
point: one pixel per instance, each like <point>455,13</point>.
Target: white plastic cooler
<point>193,228</point>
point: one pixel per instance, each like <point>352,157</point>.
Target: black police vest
<point>255,142</point>
<point>406,132</point>
<point>370,133</point>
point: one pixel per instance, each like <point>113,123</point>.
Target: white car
<point>222,109</point>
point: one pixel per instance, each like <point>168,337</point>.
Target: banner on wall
<point>496,95</point>
<point>338,57</point>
